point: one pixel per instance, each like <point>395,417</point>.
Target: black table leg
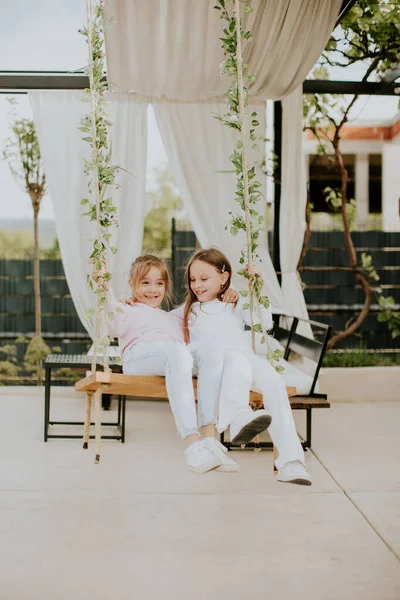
<point>119,409</point>
<point>47,388</point>
<point>123,420</point>
<point>106,401</point>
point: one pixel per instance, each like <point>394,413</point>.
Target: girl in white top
<point>207,319</point>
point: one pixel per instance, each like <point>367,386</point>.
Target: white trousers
<point>255,373</point>
<point>215,366</point>
<point>174,361</point>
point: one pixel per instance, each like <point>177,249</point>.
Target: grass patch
<point>358,357</point>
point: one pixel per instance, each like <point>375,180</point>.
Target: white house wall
<point>391,187</point>
<point>390,152</point>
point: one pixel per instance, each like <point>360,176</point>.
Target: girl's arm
<point>266,314</point>
<point>117,322</point>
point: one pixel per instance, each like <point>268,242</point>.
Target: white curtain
<point>198,148</point>
<point>180,51</point>
<point>179,48</point>
<point>57,116</point>
<point>293,205</point>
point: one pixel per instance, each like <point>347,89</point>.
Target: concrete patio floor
<point>139,526</point>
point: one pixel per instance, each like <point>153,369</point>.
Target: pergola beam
<point>21,82</point>
<point>362,88</point>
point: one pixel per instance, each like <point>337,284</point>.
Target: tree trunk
<point>351,251</point>
<point>36,271</point>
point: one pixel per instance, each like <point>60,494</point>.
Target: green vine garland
<point>248,189</point>
<point>99,168</point>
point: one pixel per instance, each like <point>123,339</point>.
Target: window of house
<point>375,183</point>
<point>324,174</point>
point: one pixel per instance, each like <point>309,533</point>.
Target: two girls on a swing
<point>211,323</point>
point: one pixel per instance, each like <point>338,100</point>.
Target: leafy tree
<point>19,244</point>
<point>22,153</point>
<point>370,35</point>
<point>163,204</point>
<point>16,244</point>
<point>9,368</point>
<point>52,253</point>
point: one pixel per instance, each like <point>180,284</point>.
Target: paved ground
<point>139,526</point>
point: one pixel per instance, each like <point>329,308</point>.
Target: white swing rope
<point>100,316</point>
<point>253,299</point>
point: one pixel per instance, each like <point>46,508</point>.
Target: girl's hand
<point>253,270</point>
<point>128,301</point>
<point>230,297</point>
<point>98,278</point>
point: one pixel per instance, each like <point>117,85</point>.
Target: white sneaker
<point>228,465</point>
<point>294,472</point>
<point>200,459</point>
<point>247,424</point>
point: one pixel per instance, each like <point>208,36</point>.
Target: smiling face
<point>150,288</point>
<point>206,281</point>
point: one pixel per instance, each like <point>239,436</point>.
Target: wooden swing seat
<point>140,386</point>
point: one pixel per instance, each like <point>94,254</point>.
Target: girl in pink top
<point>152,343</point>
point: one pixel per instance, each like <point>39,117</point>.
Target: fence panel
<point>331,295</point>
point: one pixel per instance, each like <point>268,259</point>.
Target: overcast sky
<point>43,35</point>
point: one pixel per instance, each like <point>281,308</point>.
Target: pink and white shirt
<point>142,323</point>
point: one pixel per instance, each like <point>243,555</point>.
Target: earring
<point>222,285</point>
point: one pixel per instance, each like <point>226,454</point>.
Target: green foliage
<point>19,244</point>
<point>22,369</point>
<point>232,118</point>
<point>35,354</point>
<point>99,168</point>
<point>368,34</point>
<point>388,314</point>
<point>9,368</point>
<point>334,200</point>
<point>52,253</point>
<point>16,244</point>
<point>163,204</point>
<point>368,267</point>
<point>22,152</point>
<point>358,357</point>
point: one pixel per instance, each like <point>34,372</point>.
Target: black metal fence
<point>331,296</point>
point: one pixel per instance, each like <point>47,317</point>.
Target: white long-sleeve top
<point>223,323</point>
<point>142,323</point>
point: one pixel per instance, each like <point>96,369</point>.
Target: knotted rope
<point>253,299</point>
<point>100,316</point>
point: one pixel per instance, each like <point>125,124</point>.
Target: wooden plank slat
<point>308,402</point>
<point>139,386</point>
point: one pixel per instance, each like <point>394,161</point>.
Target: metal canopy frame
<point>20,82</point>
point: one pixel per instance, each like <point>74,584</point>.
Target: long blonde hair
<point>218,260</point>
<point>142,265</point>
